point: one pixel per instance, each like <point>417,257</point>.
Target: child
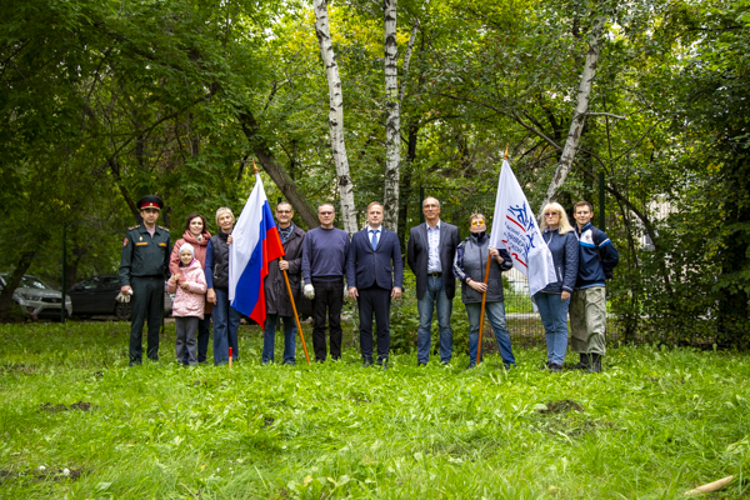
<point>189,303</point>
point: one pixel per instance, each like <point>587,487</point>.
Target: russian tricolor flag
<point>256,242</point>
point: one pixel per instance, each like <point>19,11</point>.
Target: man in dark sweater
<point>324,255</point>
<point>588,306</point>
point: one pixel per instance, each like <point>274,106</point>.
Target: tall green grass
<point>654,424</point>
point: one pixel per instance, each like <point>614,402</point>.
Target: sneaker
<point>555,368</point>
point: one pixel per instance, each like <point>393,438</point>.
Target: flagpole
<point>484,300</point>
<point>484,295</point>
<point>296,316</point>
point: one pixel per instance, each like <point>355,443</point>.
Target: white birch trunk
<point>393,119</point>
<point>409,50</point>
<point>407,59</point>
<point>579,117</point>
<point>336,117</point>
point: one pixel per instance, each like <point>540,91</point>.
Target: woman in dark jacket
<point>469,266</point>
<point>226,317</point>
<point>554,300</point>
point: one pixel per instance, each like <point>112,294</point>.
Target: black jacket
<point>418,252</point>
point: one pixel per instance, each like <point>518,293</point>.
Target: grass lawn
<point>76,422</point>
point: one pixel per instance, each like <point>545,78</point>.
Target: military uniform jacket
<point>144,255</point>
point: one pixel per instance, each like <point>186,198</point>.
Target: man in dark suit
<point>374,274</point>
<point>430,253</point>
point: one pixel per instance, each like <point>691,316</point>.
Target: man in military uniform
<point>143,268</point>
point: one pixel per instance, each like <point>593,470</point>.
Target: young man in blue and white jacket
<point>588,307</point>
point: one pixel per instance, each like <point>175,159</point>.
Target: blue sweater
<point>564,248</point>
<point>590,270</point>
<point>324,254</point>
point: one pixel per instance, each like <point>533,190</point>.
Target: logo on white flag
<point>520,232</point>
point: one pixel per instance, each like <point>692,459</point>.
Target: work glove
<point>123,298</point>
<point>309,292</point>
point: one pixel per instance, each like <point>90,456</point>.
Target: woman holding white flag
<point>469,267</point>
<point>553,301</point>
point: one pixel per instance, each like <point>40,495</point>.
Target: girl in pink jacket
<point>189,303</point>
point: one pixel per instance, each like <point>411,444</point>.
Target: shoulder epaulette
<point>164,228</point>
<point>134,227</point>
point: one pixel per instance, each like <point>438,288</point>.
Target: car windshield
<point>32,282</point>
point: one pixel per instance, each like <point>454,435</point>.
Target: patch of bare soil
<point>81,406</point>
<point>564,406</point>
<point>19,368</point>
<point>41,474</point>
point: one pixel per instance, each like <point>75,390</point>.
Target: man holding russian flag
<point>256,242</point>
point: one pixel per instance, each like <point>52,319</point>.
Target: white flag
<point>514,228</point>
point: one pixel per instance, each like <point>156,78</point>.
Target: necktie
<point>374,239</point>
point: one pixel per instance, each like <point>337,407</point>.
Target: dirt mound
<point>564,406</point>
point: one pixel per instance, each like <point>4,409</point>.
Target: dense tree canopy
<point>102,102</point>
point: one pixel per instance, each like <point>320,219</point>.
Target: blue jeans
<point>495,312</point>
<point>226,321</point>
<point>434,297</point>
<point>269,336</point>
<point>554,313</point>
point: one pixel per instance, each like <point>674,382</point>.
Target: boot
<point>585,363</point>
<point>596,363</point>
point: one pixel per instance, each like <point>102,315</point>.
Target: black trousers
<point>328,301</point>
<point>147,305</point>
<point>377,301</point>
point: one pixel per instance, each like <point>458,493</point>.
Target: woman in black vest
<point>226,318</point>
<point>469,266</point>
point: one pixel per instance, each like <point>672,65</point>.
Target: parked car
<point>96,295</point>
<point>38,298</point>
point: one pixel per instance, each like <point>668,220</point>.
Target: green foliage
<point>693,286</point>
<point>339,430</point>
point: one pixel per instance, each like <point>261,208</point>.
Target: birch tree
<point>393,118</point>
<point>579,116</point>
<point>336,117</point>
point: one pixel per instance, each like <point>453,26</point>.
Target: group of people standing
<point>198,271</point>
<point>327,267</point>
